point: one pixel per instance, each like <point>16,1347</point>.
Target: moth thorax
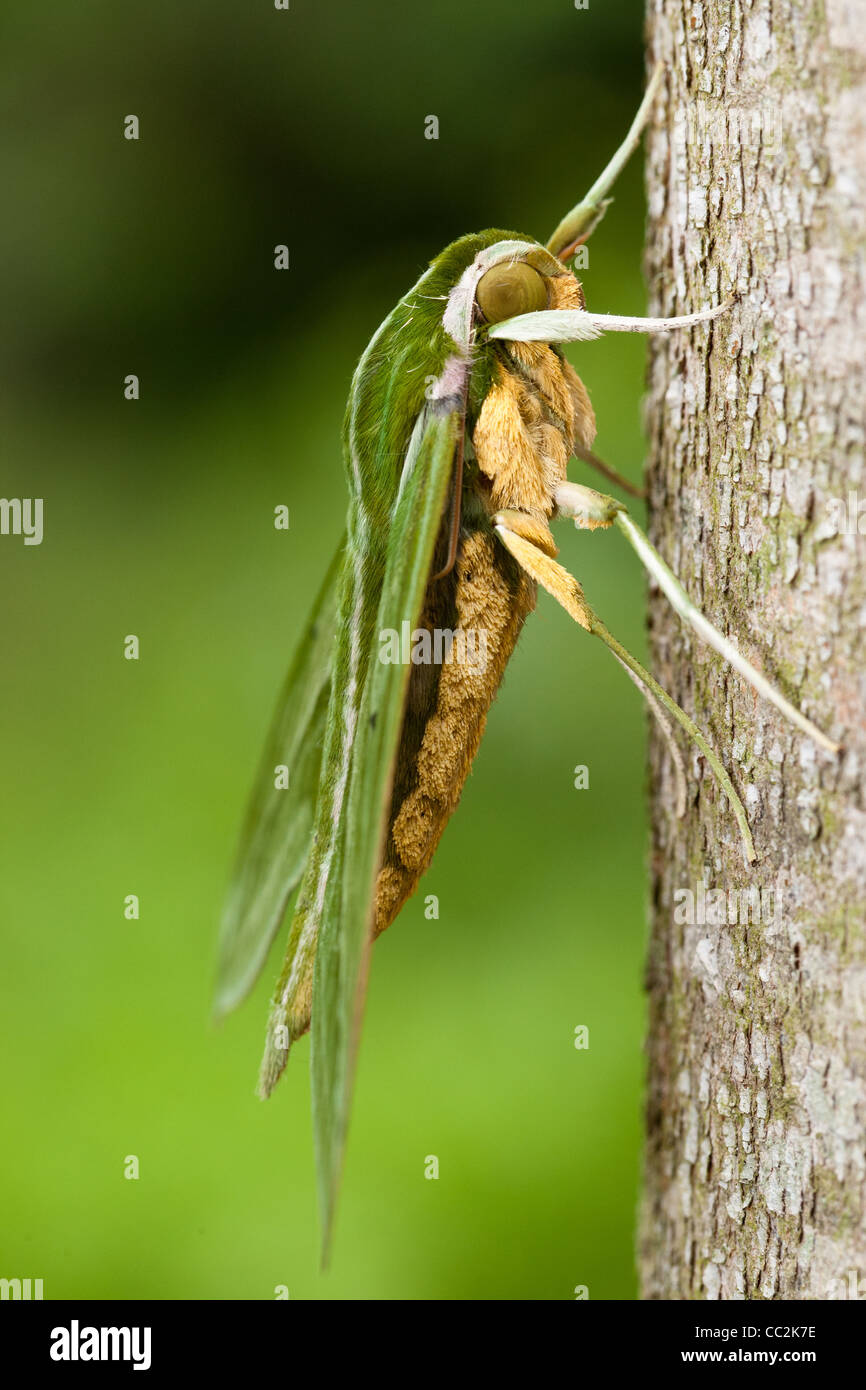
<point>527,427</point>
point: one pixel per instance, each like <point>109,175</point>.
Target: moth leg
<point>587,508</point>
<point>529,529</point>
<point>667,734</point>
<point>533,547</point>
<point>567,591</point>
<point>680,600</point>
<point>592,509</point>
<point>579,224</point>
<point>587,456</point>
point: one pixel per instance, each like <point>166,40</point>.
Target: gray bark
<point>755,1170</point>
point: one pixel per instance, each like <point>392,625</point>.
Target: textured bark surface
<point>756,1150</point>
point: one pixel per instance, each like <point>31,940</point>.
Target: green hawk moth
<point>462,417</point>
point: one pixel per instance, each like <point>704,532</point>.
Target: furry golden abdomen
<point>438,743</point>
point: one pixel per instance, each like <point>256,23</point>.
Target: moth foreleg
<point>579,224</point>
<point>520,534</point>
<point>528,528</point>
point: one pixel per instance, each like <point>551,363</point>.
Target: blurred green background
<point>304,127</point>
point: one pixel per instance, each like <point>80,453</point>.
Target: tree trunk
<point>756,1110</point>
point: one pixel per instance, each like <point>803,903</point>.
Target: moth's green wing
<point>344,936</point>
<point>276,835</point>
<point>406,407</point>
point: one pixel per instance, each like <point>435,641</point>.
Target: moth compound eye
<point>508,290</point>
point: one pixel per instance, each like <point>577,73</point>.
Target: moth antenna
<point>579,224</point>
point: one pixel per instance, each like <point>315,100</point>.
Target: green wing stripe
<point>344,935</point>
<point>291,1005</point>
<point>275,839</point>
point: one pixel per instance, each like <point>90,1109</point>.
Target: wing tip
<point>276,1055</point>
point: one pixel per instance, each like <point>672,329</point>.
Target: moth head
<point>491,277</point>
<point>528,282</point>
<point>509,289</point>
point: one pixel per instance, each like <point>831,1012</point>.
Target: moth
<point>462,418</point>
